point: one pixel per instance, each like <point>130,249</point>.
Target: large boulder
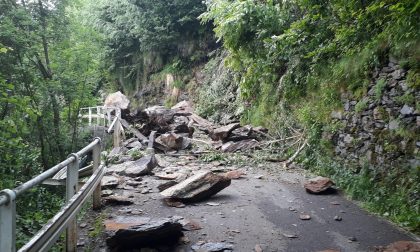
<point>131,232</point>
<point>223,132</point>
<point>141,167</point>
<point>318,185</point>
<point>160,114</point>
<point>118,100</point>
<point>173,141</point>
<point>183,108</point>
<point>109,182</point>
<point>198,187</point>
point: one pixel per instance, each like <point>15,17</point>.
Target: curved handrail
<point>66,217</point>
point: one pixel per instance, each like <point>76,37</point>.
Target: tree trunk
<point>41,142</point>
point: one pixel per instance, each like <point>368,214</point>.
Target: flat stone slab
<point>212,247</point>
<point>239,146</point>
<point>141,167</point>
<point>128,232</point>
<point>200,186</point>
<point>224,131</point>
<point>109,182</point>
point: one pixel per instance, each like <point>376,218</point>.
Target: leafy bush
<point>294,59</point>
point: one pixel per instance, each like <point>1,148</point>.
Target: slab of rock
<point>235,174</point>
<point>132,143</point>
<point>117,168</point>
<point>212,247</point>
<point>141,167</point>
<point>401,246</point>
<point>248,132</point>
<point>201,122</point>
<point>109,182</point>
<point>118,100</point>
<point>200,186</point>
<point>167,176</point>
<point>190,225</point>
<point>241,133</point>
<point>116,153</point>
<point>318,185</point>
<point>128,232</point>
<point>106,193</point>
<point>118,200</point>
<point>223,132</point>
<point>166,185</point>
<point>239,146</point>
<point>160,114</point>
<point>407,110</point>
<point>173,141</point>
<point>183,108</point>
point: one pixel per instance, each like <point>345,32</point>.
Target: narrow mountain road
<point>260,210</point>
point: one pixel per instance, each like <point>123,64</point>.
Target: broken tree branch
<point>293,157</point>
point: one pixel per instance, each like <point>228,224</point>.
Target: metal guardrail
<point>100,114</point>
<point>66,217</point>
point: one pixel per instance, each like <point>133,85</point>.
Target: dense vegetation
<point>280,64</point>
<point>50,68</point>
<point>295,59</point>
<point>144,36</point>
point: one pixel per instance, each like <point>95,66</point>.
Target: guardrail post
<point>90,116</point>
<point>108,114</point>
<point>117,129</point>
<point>8,222</point>
<point>71,189</point>
<point>98,116</point>
<point>96,153</point>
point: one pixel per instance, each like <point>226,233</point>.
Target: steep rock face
<point>382,127</point>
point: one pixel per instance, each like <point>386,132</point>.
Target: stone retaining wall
<point>383,126</point>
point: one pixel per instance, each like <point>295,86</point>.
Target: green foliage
<point>379,89</point>
<point>217,96</point>
<point>50,67</point>
<point>143,36</point>
<point>406,99</point>
<point>285,50</point>
<point>413,79</point>
<point>135,153</point>
<point>98,226</point>
<point>361,106</point>
<point>295,59</point>
<point>393,194</point>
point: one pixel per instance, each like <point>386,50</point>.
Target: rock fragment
<point>304,217</point>
<point>235,174</point>
<point>190,225</point>
<point>109,182</point>
<point>118,100</point>
<point>212,247</point>
<point>401,246</point>
<point>223,132</point>
<point>318,185</point>
<point>140,167</point>
<point>173,141</point>
<point>118,200</point>
<point>166,185</point>
<point>127,232</point>
<point>239,146</point>
<point>291,236</point>
<point>200,186</point>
